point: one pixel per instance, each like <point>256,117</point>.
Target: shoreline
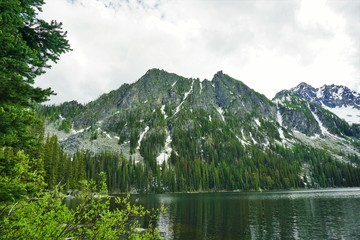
<point>241,191</point>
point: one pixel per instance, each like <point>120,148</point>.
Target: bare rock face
<point>331,96</point>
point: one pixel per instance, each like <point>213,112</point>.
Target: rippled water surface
<point>313,214</point>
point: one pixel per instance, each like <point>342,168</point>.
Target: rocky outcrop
<point>328,95</point>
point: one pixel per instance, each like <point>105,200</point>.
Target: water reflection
<point>329,214</point>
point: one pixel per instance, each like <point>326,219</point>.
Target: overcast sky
<point>268,45</point>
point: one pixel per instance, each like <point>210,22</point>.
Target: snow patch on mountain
<point>257,121</point>
<point>331,96</point>
<point>279,118</point>
<point>323,130</point>
<point>244,143</point>
<point>163,111</point>
<point>338,94</point>
<point>73,131</point>
<point>107,135</point>
<point>221,112</point>
<point>320,92</point>
<point>252,139</point>
<point>166,152</point>
<point>280,121</point>
<point>281,133</point>
<point>142,136</point>
<point>185,97</point>
<point>349,114</point>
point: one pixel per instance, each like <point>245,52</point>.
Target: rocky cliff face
<point>165,115</point>
<point>328,95</point>
<point>335,98</point>
<point>310,118</point>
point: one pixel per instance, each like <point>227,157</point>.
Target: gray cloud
<point>269,45</point>
<point>349,11</point>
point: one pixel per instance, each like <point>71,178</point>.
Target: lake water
<point>313,214</point>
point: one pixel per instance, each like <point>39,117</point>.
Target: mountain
<point>335,98</point>
<point>164,104</point>
<point>219,124</point>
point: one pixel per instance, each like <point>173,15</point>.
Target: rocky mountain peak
<point>219,76</point>
<point>305,90</point>
<point>337,98</point>
<point>303,86</point>
<point>330,95</point>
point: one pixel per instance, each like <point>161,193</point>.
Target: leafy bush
<point>48,217</point>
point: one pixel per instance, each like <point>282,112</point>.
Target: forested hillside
<point>166,133</point>
<point>276,168</point>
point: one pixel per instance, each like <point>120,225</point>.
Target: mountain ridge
<point>336,98</point>
<point>162,104</point>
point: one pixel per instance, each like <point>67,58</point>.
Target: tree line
<point>254,169</point>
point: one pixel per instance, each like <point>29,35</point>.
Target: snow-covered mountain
<point>338,99</point>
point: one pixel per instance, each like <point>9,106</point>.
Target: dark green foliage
<point>354,159</point>
<point>61,115</point>
<point>94,135</point>
<point>60,169</point>
<point>150,147</point>
<point>355,131</point>
<point>27,44</point>
<point>15,125</point>
<point>18,179</point>
<point>65,126</point>
<point>26,212</point>
<point>331,173</point>
<point>252,169</point>
<point>49,218</point>
<point>65,110</point>
<point>134,136</point>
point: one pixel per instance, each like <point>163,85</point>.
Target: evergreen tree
<point>27,45</point>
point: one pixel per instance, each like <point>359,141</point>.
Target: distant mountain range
<point>164,117</point>
<point>337,99</point>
